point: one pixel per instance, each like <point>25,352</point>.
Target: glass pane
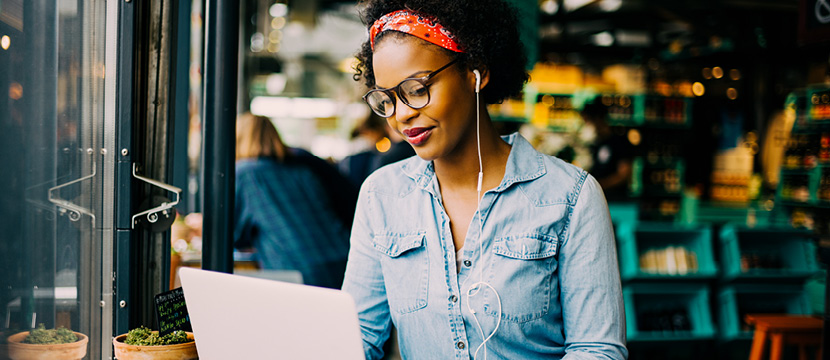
<point>51,140</point>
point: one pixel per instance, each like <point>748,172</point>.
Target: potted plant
<point>43,344</point>
<point>144,344</point>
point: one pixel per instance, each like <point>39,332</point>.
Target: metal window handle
<point>74,211</point>
<point>153,214</point>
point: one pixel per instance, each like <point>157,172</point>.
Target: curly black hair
<point>486,30</point>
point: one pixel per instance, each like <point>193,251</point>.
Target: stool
<point>801,331</point>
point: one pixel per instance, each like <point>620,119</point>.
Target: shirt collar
<point>523,164</point>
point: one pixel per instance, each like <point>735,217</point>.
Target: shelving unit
<point>663,177</point>
<point>663,251</point>
<point>557,112</point>
<point>755,213</point>
<point>663,171</point>
<point>668,299</point>
<point>667,112</point>
<point>669,312</point>
<point>735,301</point>
<point>804,186</point>
<point>767,254</point>
<point>643,110</point>
<point>764,271</point>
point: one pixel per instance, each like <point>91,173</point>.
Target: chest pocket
<point>405,266</point>
<point>523,267</point>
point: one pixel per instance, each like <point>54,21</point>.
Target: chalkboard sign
<point>171,312</point>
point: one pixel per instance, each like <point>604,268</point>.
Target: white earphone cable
<point>476,287</point>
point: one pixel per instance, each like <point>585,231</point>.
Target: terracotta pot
<point>20,351</point>
<point>123,351</point>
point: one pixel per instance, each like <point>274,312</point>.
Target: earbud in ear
<point>478,79</point>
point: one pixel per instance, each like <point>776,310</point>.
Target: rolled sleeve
<point>592,304</point>
<point>364,282</point>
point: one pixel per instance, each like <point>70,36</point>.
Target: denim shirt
<point>548,250</point>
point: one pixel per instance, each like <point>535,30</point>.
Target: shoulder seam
<point>577,191</point>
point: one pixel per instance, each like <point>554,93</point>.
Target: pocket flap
<point>531,246</point>
<point>395,245</point>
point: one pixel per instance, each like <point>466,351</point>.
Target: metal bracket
<point>65,206</point>
<point>153,214</point>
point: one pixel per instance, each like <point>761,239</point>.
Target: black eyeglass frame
<point>391,92</point>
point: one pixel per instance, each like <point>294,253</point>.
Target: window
<point>56,161</point>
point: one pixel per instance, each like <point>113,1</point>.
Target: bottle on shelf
<point>820,105</point>
<point>824,148</point>
<point>652,110</point>
<point>809,158</point>
<point>664,320</point>
<point>824,185</point>
<point>671,260</point>
<point>791,157</point>
<point>755,260</point>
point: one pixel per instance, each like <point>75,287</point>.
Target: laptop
<point>239,317</point>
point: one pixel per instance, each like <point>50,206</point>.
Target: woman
<point>282,210</point>
<point>508,254</point>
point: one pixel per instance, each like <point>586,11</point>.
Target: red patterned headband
<point>414,24</point>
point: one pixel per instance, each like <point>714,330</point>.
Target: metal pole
<point>218,133</point>
<point>180,63</point>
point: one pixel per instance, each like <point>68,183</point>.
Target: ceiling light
<point>278,10</point>
<point>698,89</point>
<point>549,7</point>
<point>610,5</point>
<point>603,39</point>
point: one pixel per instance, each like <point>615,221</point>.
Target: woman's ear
<point>480,78</point>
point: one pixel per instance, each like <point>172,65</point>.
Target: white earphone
<point>475,288</point>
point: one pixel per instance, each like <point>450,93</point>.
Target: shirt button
<point>468,263</point>
<point>453,298</point>
<point>460,345</point>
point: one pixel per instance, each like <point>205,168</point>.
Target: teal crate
<point>623,212</point>
<point>718,212</point>
<point>767,253</point>
<point>637,239</point>
<point>735,301</point>
<point>667,312</point>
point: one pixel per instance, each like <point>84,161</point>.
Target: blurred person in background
<point>612,153</point>
<point>366,139</point>
<point>341,192</point>
<point>382,145</point>
<point>282,209</point>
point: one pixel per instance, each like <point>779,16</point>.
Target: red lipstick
<point>417,136</point>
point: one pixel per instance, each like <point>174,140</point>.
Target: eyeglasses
<point>412,91</point>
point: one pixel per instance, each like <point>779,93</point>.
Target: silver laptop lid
<point>237,317</point>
